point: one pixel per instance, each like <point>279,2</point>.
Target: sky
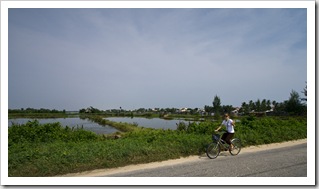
<point>154,58</point>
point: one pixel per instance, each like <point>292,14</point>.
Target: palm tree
<point>251,105</point>
<point>268,104</point>
<point>263,106</point>
<point>258,105</point>
<point>245,108</point>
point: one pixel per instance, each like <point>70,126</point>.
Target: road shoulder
<point>104,172</point>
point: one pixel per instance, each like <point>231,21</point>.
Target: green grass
<point>50,149</point>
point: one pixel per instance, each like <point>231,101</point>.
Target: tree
<point>208,109</point>
<point>268,104</point>
<point>244,108</point>
<point>258,105</point>
<point>216,105</point>
<point>281,106</point>
<point>275,105</point>
<point>294,105</point>
<point>251,105</point>
<point>227,108</point>
<point>263,106</point>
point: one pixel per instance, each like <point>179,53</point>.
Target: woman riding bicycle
<point>229,124</point>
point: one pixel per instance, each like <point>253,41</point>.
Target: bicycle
<point>213,149</point>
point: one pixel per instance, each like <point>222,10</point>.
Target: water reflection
<point>155,123</point>
<point>70,122</point>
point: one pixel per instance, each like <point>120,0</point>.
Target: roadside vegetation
<point>50,149</point>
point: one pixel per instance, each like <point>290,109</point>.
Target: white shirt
<point>229,126</point>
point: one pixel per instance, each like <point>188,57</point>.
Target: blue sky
<point>132,58</point>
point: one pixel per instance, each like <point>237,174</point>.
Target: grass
<point>50,149</point>
<point>125,127</point>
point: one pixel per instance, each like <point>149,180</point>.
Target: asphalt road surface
<point>288,161</point>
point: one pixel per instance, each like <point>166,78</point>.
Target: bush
<point>182,126</point>
<point>206,127</point>
<point>33,132</point>
<point>266,130</point>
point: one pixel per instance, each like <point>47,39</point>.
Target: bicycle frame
<point>222,143</point>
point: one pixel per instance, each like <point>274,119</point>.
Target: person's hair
<point>226,115</point>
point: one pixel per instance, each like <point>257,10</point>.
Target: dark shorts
<point>227,137</point>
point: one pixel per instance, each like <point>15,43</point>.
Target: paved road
<point>283,162</point>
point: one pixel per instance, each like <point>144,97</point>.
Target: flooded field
<point>70,122</point>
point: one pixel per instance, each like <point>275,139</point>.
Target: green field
<point>50,149</point>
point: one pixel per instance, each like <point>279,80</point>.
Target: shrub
<point>33,132</point>
<point>182,126</point>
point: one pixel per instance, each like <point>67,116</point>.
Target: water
<point>70,122</point>
<point>155,123</point>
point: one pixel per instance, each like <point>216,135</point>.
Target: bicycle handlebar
<point>220,132</point>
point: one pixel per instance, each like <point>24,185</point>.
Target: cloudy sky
<point>132,58</point>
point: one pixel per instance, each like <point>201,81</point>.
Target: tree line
<point>295,105</point>
<point>34,110</point>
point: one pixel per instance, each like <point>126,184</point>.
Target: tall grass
<point>50,149</point>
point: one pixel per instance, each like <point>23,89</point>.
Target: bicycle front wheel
<point>212,150</point>
<point>236,146</point>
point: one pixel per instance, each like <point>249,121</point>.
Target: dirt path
<point>100,172</point>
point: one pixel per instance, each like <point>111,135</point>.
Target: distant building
<point>235,111</point>
<point>182,110</point>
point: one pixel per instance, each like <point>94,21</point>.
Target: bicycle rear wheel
<point>236,146</point>
<point>212,150</point>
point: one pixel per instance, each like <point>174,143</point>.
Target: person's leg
<point>228,138</point>
<point>224,137</point>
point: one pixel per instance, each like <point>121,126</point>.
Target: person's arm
<point>219,128</point>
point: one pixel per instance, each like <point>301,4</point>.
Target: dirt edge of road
<point>104,172</point>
